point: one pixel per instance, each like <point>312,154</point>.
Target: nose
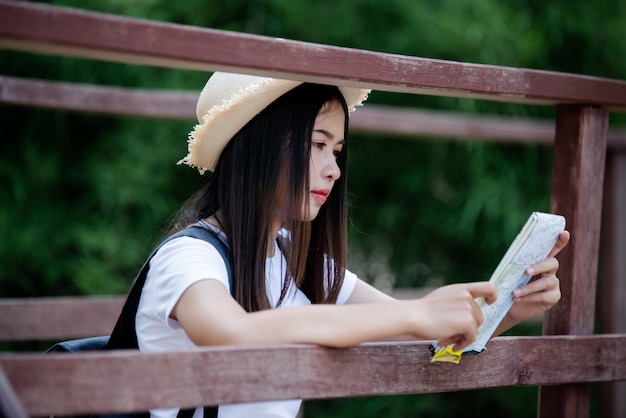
<point>331,169</point>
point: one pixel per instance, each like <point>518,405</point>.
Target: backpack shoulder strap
<point>124,334</point>
<point>82,344</point>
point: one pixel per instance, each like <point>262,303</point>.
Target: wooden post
<point>577,184</point>
<point>612,279</point>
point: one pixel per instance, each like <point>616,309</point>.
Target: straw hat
<point>228,102</point>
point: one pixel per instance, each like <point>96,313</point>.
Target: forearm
<point>210,316</point>
<point>328,325</point>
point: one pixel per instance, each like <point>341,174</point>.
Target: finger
<point>549,265</point>
<point>469,331</point>
<point>547,298</point>
<point>543,284</point>
<point>560,243</point>
<point>458,342</point>
<point>477,314</point>
<point>455,339</point>
<point>483,290</point>
<point>463,344</point>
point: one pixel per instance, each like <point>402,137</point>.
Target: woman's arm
<point>529,301</point>
<point>366,293</point>
<point>450,315</point>
<point>210,316</point>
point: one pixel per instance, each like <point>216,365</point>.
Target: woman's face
<point>327,144</point>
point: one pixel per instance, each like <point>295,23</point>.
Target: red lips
<point>320,195</point>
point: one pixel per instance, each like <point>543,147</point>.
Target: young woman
<point>277,198</point>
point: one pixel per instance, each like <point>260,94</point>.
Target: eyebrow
<point>328,135</point>
<point>325,133</point>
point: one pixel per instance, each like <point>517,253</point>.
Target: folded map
<point>532,245</point>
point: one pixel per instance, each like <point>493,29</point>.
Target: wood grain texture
<point>54,30</point>
<point>68,317</point>
<point>98,99</point>
<point>562,364</point>
<point>612,278</point>
<point>577,185</point>
<point>393,121</point>
<point>65,317</point>
<point>129,380</point>
<point>57,318</point>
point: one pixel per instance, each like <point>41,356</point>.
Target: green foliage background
<point>83,198</point>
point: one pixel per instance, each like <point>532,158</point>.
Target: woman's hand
<point>451,315</point>
<point>448,314</point>
<point>542,291</point>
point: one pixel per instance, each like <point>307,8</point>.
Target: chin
<point>313,212</point>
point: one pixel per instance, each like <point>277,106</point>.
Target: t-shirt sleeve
<point>177,265</point>
<point>349,282</point>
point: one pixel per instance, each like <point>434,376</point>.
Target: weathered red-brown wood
<point>390,120</point>
<point>407,122</point>
<point>54,319</point>
<point>10,405</point>
<point>42,28</point>
<point>579,159</point>
<point>612,279</point>
<point>57,318</point>
<point>129,380</point>
<point>98,99</point>
<point>577,184</point>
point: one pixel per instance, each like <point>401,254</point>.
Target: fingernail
<point>517,293</point>
<point>530,271</point>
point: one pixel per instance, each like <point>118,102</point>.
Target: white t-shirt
<point>175,267</point>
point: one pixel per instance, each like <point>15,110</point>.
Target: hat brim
<point>221,122</point>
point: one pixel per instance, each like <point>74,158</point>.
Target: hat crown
<point>222,88</point>
<point>228,101</point>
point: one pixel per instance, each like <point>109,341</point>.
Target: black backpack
<point>124,335</point>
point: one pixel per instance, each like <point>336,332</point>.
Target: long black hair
<point>266,164</point>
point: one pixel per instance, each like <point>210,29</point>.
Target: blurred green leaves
<point>84,198</point>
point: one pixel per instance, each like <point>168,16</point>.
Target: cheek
<point>312,164</point>
<point>319,163</point>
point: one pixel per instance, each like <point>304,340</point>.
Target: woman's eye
<point>319,145</point>
<point>338,153</point>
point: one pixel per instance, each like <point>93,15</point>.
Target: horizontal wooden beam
<point>67,317</point>
<point>48,29</point>
<point>57,318</point>
<point>98,99</point>
<point>396,121</point>
<point>413,123</point>
<point>62,384</point>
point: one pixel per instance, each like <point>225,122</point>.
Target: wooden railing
<point>563,362</point>
<point>389,120</point>
<point>128,380</point>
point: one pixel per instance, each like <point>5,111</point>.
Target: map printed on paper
<point>531,245</point>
